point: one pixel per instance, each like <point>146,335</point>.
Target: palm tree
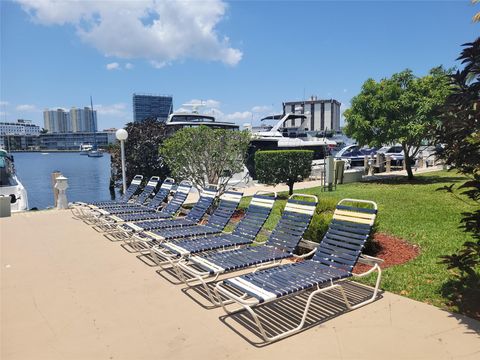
<point>476,17</point>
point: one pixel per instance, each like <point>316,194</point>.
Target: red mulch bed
<point>391,249</point>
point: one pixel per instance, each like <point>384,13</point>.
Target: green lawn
<point>415,212</point>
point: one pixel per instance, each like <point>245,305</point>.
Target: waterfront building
<point>321,115</point>
<point>21,134</point>
<point>73,140</point>
<point>83,120</point>
<point>19,127</point>
<point>111,134</point>
<point>151,106</point>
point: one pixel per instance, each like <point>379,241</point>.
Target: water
<point>88,178</point>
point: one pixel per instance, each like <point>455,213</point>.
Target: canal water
<point>88,178</point>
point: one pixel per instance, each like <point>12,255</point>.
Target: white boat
<point>85,148</point>
<point>281,136</point>
<point>95,153</point>
<point>10,185</point>
<point>180,119</point>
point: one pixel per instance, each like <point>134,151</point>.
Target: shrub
<point>205,156</point>
<point>283,166</point>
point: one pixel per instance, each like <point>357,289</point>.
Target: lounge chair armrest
<point>304,256</point>
<point>256,242</point>
<point>369,260</point>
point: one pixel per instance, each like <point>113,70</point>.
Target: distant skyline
<point>242,58</point>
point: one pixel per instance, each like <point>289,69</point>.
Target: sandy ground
<point>68,293</point>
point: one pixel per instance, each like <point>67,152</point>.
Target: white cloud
<point>119,109</point>
<point>4,103</point>
<point>261,109</point>
<point>26,108</point>
<point>113,66</point>
<point>210,103</point>
<point>238,116</point>
<point>128,66</point>
<point>159,31</point>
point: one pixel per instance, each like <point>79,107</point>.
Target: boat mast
<point>93,122</point>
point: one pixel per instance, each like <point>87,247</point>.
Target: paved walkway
<point>68,293</point>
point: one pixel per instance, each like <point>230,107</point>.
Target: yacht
<point>180,119</point>
<point>85,148</point>
<point>10,185</point>
<point>95,153</point>
<point>281,136</point>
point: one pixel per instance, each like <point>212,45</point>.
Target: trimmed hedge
<point>283,166</point>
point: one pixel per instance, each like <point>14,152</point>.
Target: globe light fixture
<point>122,135</point>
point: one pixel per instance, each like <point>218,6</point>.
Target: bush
<point>206,156</point>
<point>323,217</point>
<point>283,166</point>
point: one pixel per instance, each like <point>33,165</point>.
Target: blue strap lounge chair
<point>244,233</point>
<point>147,191</point>
<point>333,262</point>
<point>82,210</point>
<point>110,221</point>
<point>280,245</point>
<point>131,190</point>
<point>97,213</point>
<point>162,219</point>
<point>216,223</point>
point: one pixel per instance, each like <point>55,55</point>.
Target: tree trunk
<point>290,187</point>
<point>408,163</point>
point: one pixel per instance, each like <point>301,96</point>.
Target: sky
<point>241,58</point>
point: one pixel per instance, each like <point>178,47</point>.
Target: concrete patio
<point>69,293</point>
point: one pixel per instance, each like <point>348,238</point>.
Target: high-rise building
<point>76,120</point>
<point>56,121</point>
<point>83,120</point>
<point>322,115</point>
<point>151,106</point>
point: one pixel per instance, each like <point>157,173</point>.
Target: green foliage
<point>400,109</point>
<point>141,151</point>
<point>283,166</point>
<point>459,132</point>
<point>320,222</point>
<point>206,156</point>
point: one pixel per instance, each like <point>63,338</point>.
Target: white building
<point>20,127</point>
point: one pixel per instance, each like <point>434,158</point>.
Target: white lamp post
<point>122,135</point>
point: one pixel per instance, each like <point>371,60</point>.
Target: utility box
<point>5,209</point>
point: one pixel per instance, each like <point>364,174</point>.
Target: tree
<point>283,166</point>
<point>400,109</point>
<point>459,133</point>
<point>206,156</point>
<point>476,17</point>
<point>141,151</point>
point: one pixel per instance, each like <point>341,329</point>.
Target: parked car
<point>354,155</point>
<point>395,152</point>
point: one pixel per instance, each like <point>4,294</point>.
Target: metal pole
<point>124,180</point>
